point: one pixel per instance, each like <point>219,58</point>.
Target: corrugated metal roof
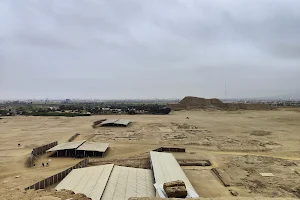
<point>90,181</point>
<point>126,182</point>
<point>68,145</point>
<point>108,121</point>
<point>115,121</point>
<point>109,182</point>
<point>166,169</point>
<point>122,121</point>
<point>94,146</point>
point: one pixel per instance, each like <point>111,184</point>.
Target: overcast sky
<point>115,49</point>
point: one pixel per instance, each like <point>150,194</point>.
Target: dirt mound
<point>231,144</point>
<point>196,101</point>
<point>244,106</point>
<point>260,133</point>
<point>189,103</point>
<point>43,194</point>
<point>186,126</point>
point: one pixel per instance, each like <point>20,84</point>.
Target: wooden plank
<point>224,180</point>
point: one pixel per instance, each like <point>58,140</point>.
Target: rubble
<point>175,189</point>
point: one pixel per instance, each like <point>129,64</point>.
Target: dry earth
<point>241,144</point>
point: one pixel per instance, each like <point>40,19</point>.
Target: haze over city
<point>149,49</point>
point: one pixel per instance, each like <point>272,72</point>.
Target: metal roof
<point>109,182</point>
<point>68,145</point>
<point>126,182</point>
<point>93,146</point>
<point>90,181</point>
<point>108,121</point>
<point>115,121</point>
<point>166,169</point>
<point>122,121</point>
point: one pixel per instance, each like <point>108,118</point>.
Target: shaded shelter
<point>115,122</point>
<point>110,182</point>
<point>89,149</point>
<point>66,149</point>
<point>79,149</point>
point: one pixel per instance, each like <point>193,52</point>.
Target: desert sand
<point>241,144</point>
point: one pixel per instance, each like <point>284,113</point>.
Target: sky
<point>131,49</point>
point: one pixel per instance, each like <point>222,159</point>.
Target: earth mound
<point>196,101</point>
<point>189,103</point>
<point>17,194</point>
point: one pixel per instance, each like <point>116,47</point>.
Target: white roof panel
<point>90,181</point>
<point>68,145</point>
<point>109,182</point>
<point>122,121</point>
<point>126,182</point>
<point>166,169</point>
<point>94,146</point>
<point>115,121</point>
<point>108,121</point>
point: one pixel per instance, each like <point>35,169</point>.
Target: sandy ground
<point>241,144</point>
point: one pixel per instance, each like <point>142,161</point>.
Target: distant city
<point>272,101</point>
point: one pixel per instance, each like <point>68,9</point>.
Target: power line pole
<point>225,90</point>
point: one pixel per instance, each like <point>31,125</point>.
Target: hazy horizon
<point>132,49</point>
<point>283,97</point>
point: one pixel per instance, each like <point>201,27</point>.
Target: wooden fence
<point>169,149</point>
<point>73,137</point>
<point>57,177</point>
<point>42,149</point>
<point>38,151</point>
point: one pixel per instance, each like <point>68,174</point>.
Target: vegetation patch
<point>58,114</point>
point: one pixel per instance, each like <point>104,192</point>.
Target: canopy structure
<point>166,168</point>
<point>90,181</point>
<point>110,182</point>
<point>68,145</point>
<point>80,149</point>
<point>92,149</point>
<point>115,122</point>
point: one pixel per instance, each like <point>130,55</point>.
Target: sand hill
<point>189,103</point>
<point>196,101</point>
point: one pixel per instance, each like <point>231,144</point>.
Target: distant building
<point>68,101</point>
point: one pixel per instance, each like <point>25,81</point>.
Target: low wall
<point>57,177</point>
<point>38,151</point>
<point>224,180</point>
<point>97,123</point>
<point>73,137</point>
<point>176,106</point>
<point>42,149</point>
<point>169,149</point>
